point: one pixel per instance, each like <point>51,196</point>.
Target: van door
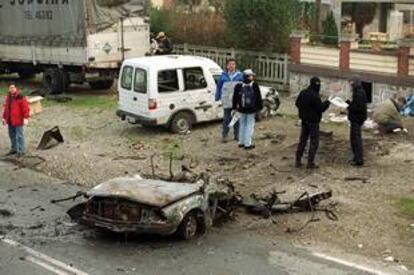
<point>132,88</point>
<point>199,93</point>
<point>170,94</point>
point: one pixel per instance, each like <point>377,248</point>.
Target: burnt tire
<point>181,123</point>
<point>189,227</point>
<point>55,81</point>
<point>101,84</point>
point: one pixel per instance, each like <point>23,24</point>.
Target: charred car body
<point>149,206</point>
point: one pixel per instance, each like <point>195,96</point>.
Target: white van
<point>174,91</point>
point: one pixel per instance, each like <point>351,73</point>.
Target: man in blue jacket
<point>225,90</point>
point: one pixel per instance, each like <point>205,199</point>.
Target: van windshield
<point>140,83</point>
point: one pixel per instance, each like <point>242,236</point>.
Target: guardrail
<point>272,68</point>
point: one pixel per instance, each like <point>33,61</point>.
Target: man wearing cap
<point>164,44</point>
<point>310,107</point>
<point>247,100</point>
<point>357,114</point>
<point>16,112</point>
<point>224,92</point>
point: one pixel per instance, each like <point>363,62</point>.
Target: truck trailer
<point>71,41</point>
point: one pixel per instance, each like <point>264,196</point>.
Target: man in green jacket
<point>387,115</point>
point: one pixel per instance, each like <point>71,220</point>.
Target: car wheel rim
<point>191,227</point>
<point>182,124</point>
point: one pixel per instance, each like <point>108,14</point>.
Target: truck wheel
<point>101,84</point>
<point>188,227</point>
<point>181,123</point>
<point>26,75</point>
<point>55,81</point>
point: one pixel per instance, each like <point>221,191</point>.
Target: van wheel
<point>181,123</point>
<point>188,228</point>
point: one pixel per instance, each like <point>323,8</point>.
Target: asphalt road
<point>39,238</point>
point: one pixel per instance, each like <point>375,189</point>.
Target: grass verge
<point>407,206</point>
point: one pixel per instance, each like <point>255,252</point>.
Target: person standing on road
<point>247,100</point>
<point>357,114</point>
<point>311,108</point>
<point>225,90</point>
<point>16,112</point>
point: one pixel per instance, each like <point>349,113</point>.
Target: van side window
<point>194,79</point>
<point>140,83</point>
<point>126,79</point>
<point>167,81</point>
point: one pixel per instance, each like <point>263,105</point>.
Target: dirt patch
<point>98,146</point>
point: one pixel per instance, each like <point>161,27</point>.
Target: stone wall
<point>340,87</point>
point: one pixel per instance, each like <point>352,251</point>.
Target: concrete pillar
<point>345,53</point>
<point>295,44</point>
<point>404,56</point>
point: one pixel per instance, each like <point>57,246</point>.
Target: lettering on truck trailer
<point>40,2</point>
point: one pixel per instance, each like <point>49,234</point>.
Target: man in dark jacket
<point>357,114</point>
<point>247,100</point>
<point>164,44</point>
<point>310,107</point>
<point>16,114</point>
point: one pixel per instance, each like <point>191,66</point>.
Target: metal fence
<point>272,68</point>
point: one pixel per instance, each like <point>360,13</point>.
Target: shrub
<point>161,20</point>
<point>330,30</point>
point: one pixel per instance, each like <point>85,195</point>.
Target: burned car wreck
<point>152,206</point>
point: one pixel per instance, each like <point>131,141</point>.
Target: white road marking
<point>45,266</point>
<point>349,264</point>
<point>44,261</point>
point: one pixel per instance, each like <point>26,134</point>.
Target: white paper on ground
<point>234,119</point>
<point>339,102</point>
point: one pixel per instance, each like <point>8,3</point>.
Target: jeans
<point>246,130</point>
<point>16,135</point>
<point>356,142</point>
<point>309,130</point>
<point>226,122</point>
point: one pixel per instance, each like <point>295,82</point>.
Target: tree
<point>330,31</point>
<point>361,13</point>
<point>261,24</point>
<point>318,16</point>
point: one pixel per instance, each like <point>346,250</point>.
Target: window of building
<point>167,81</point>
<point>407,17</point>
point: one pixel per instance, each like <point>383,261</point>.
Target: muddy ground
<point>98,146</point>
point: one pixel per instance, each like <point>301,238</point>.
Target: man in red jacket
<point>16,114</point>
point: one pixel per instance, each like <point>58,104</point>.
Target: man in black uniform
<point>357,114</point>
<point>310,108</point>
